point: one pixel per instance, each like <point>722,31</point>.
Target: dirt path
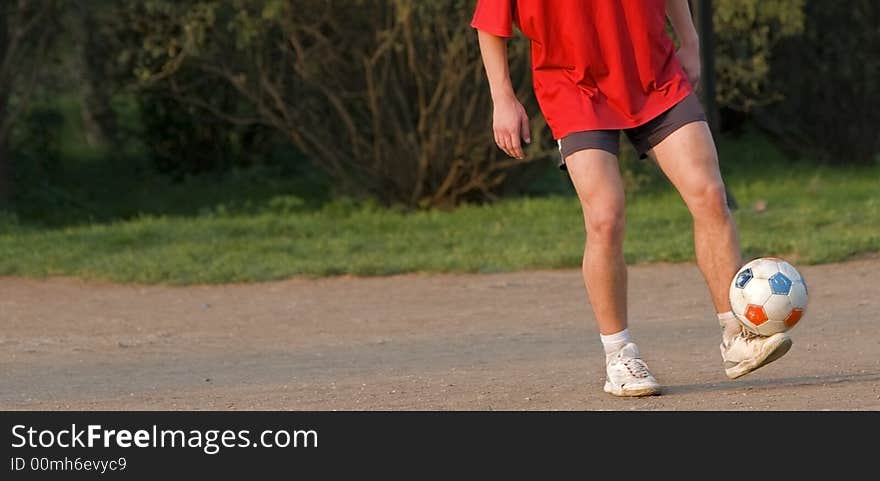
<point>471,342</point>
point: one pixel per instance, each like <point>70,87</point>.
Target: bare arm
<point>688,54</point>
<point>509,120</point>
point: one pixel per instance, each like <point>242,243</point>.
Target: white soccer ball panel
<point>751,263</point>
<point>798,295</point>
<point>757,291</point>
<point>764,268</point>
<point>737,302</point>
<point>778,307</point>
<point>789,271</point>
<point>771,327</point>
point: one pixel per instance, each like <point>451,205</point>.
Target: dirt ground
<point>417,342</point>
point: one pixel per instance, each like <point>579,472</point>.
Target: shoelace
<point>748,335</point>
<point>636,367</point>
<point>744,333</point>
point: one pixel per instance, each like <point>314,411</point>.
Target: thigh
<point>595,174</point>
<point>606,140</point>
<point>645,137</point>
<point>688,158</point>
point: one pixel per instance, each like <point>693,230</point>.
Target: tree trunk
<point>702,12</point>
<point>5,172</point>
<point>97,115</point>
<point>5,84</point>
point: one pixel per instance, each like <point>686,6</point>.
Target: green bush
<point>388,98</point>
<point>181,140</point>
<point>746,33</point>
<point>830,76</point>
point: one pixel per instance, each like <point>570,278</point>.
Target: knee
<point>606,226</point>
<point>710,200</point>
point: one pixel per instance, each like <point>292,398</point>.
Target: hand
<point>510,124</point>
<point>689,58</point>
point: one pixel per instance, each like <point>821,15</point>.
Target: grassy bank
<point>804,213</point>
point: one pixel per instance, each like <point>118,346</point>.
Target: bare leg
<point>596,178</point>
<point>689,160</point>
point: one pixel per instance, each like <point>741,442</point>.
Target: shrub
<point>387,97</point>
<point>829,76</point>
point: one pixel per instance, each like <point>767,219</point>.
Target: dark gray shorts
<point>643,138</point>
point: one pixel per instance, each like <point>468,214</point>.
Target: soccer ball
<point>768,295</point>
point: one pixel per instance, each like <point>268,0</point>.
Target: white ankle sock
<point>730,325</point>
<point>613,342</point>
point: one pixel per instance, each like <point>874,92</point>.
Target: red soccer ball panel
<point>756,315</point>
<point>794,317</point>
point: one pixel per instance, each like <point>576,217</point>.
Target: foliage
<point>747,31</point>
<point>387,97</point>
<point>830,78</point>
<point>27,28</point>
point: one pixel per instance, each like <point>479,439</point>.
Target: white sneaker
<point>747,351</point>
<point>628,375</point>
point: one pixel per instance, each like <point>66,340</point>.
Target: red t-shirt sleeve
<point>495,17</point>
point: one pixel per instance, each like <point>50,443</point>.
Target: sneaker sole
<point>637,392</point>
<point>772,353</point>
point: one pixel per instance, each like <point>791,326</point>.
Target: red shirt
<point>596,64</point>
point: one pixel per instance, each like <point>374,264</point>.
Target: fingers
<point>509,142</point>
<point>511,128</point>
<point>516,146</point>
<point>503,142</point>
<point>524,128</point>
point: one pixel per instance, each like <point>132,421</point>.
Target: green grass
<point>813,215</point>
